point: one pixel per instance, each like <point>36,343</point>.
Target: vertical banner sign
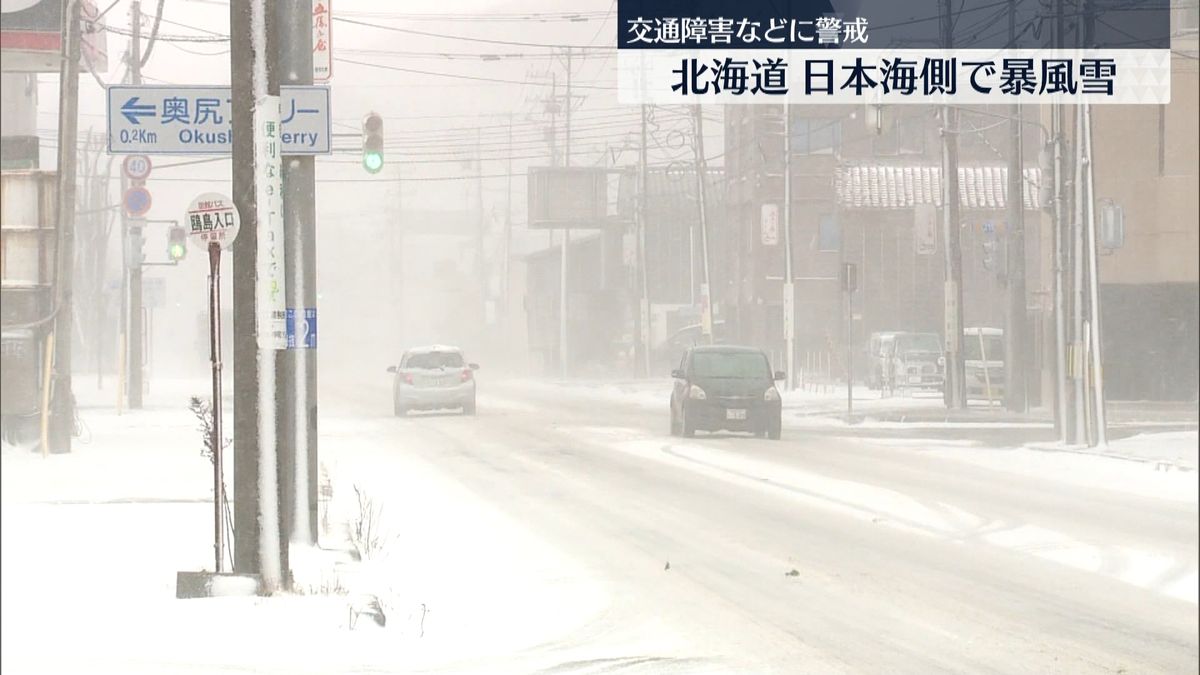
<point>272,309</point>
<point>706,318</point>
<point>789,310</point>
<point>952,336</point>
<point>770,224</point>
<point>925,229</point>
<point>322,39</point>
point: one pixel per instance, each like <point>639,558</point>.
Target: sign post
<point>213,224</point>
<point>849,285</point>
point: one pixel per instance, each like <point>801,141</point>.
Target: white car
<point>433,378</point>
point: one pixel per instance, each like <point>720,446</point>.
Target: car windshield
<point>993,345</point>
<point>730,365</point>
<point>918,342</point>
<point>433,360</point>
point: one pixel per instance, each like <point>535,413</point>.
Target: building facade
<point>1146,164</point>
<point>866,189</point>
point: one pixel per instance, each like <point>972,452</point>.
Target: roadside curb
<point>1159,463</point>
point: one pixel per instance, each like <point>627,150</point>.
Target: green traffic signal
<point>372,143</point>
<point>372,161</point>
<point>176,244</point>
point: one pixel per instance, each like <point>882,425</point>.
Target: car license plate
<point>735,414</point>
<point>914,379</point>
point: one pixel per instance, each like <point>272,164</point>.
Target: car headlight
<point>697,393</point>
<point>771,395</point>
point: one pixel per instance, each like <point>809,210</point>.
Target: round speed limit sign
<point>137,167</point>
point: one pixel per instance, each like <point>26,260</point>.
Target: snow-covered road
<point>562,532</point>
<point>818,554</point>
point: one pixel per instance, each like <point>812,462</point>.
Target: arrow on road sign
<point>131,110</point>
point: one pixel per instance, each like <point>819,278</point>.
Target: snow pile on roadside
<point>655,393</point>
<point>465,575</point>
<point>1179,448</point>
<point>1138,469</point>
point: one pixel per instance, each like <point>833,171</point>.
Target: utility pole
<point>706,318</point>
<point>1084,176</point>
<point>955,369</point>
<point>100,226</point>
<point>563,336</point>
<point>789,287</point>
<point>137,229</point>
<point>62,405</point>
<point>393,233</point>
<point>257,542</point>
<point>643,275</point>
<point>1060,325</point>
<point>508,222</point>
<point>1016,354</point>
<point>480,227</point>
<point>1099,417</point>
<point>296,423</point>
<point>1077,319</point>
<point>1078,354</point>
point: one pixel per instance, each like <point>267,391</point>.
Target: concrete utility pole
<point>643,276</point>
<point>1077,319</point>
<point>1016,356</point>
<point>257,543</point>
<point>136,235</point>
<point>1099,436</point>
<point>62,405</point>
<point>955,370</point>
<point>481,271</point>
<point>1060,325</point>
<point>563,287</point>
<point>789,277</point>
<point>504,285</point>
<point>706,318</point>
<point>296,424</point>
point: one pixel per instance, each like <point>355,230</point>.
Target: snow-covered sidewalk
<point>92,541</point>
<point>1165,450</point>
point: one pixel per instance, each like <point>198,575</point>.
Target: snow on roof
<point>433,348</point>
<point>874,186</point>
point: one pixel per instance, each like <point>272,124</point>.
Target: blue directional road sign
<point>175,120</point>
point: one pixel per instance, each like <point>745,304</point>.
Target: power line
<point>188,25</point>
<point>467,38</point>
<point>548,17</point>
<point>454,75</point>
<point>169,38</point>
<point>462,56</point>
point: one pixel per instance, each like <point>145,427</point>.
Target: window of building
<point>901,136</point>
<point>816,135</point>
<point>829,233</point>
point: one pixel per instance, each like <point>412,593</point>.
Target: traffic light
<point>176,243</point>
<point>372,142</point>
